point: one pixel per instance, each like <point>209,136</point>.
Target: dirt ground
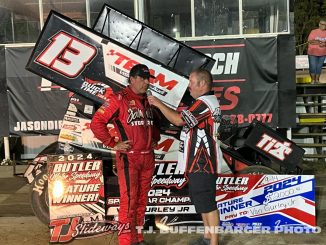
<point>29,231</point>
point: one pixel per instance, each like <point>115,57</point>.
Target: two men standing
<point>200,153</point>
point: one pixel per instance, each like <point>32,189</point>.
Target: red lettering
<point>218,91</point>
<point>121,58</point>
<point>87,126</point>
<point>165,145</point>
<point>67,55</point>
<point>130,64</point>
<point>72,228</point>
<point>160,78</point>
<point>230,94</point>
<point>240,119</point>
<point>58,224</point>
<point>57,228</point>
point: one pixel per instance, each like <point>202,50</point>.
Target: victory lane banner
<point>76,198</point>
<point>270,203</point>
<point>246,203</point>
<point>73,56</point>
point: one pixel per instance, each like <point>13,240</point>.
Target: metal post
<point>7,147</point>
<point>88,13</point>
<point>193,20</point>
<point>141,10</point>
<point>177,26</point>
<point>12,26</point>
<point>40,9</point>
<point>289,133</point>
<point>14,164</point>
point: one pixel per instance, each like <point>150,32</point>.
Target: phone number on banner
<point>241,118</point>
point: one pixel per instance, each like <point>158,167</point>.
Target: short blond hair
<point>204,75</point>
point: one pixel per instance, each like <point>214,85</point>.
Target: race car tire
<point>256,169</point>
<point>39,198</point>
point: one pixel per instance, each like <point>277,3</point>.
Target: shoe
<point>200,241</point>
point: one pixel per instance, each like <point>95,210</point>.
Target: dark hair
<point>140,70</point>
<point>204,75</point>
<point>322,19</point>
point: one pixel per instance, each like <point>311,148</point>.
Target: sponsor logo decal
<point>66,55</point>
<point>37,125</point>
<point>274,147</point>
<point>67,229</point>
<point>189,118</point>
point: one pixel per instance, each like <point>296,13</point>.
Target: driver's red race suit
<point>133,119</point>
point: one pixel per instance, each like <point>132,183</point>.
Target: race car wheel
<point>39,198</point>
<point>256,169</point>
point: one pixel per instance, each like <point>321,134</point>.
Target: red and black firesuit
<point>133,119</point>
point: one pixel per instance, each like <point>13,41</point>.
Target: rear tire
<point>256,169</point>
<point>39,198</point>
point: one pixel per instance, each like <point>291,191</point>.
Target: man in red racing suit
<point>133,119</point>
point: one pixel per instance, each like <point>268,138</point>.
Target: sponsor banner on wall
<point>249,85</point>
<point>249,78</point>
<point>4,122</point>
<point>74,57</point>
<point>267,202</point>
<point>36,106</point>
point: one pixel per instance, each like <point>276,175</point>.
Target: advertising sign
<point>267,202</point>
<point>83,62</point>
<point>246,203</point>
<point>76,198</point>
<point>271,144</point>
<point>254,78</point>
<point>35,105</point>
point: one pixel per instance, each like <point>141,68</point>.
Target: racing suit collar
<point>135,96</point>
<point>208,93</point>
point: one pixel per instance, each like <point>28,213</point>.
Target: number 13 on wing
<point>66,55</point>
